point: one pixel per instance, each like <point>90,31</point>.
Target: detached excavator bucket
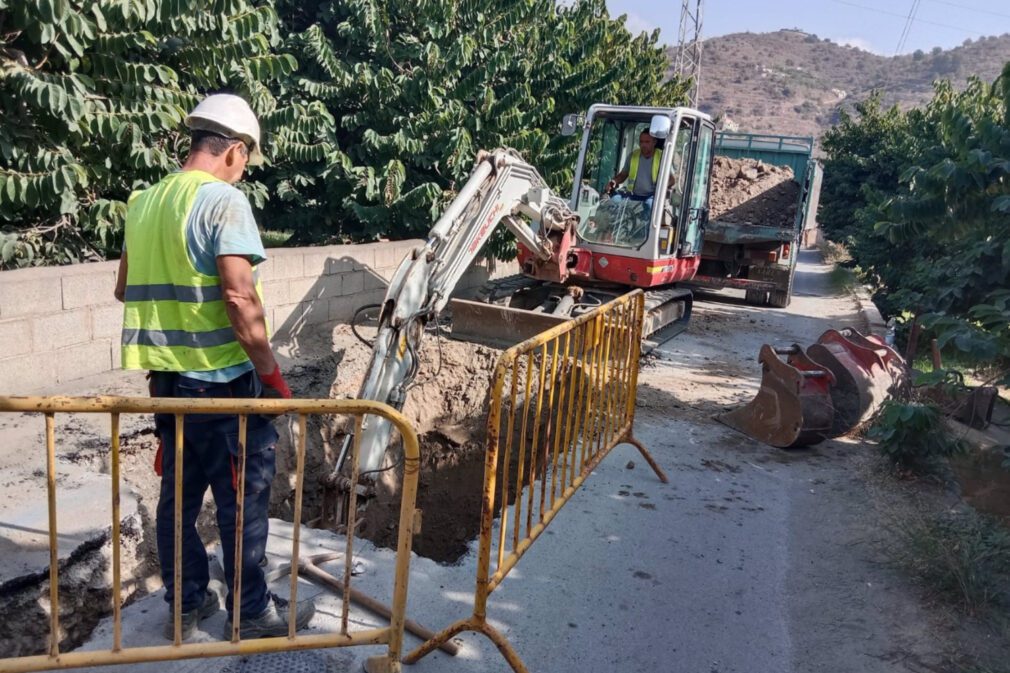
<point>866,373</point>
<point>793,406</point>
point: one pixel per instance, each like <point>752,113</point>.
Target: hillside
<point>793,82</point>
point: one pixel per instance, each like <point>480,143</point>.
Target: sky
<point>868,24</point>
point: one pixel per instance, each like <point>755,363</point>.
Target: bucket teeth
<point>826,391</point>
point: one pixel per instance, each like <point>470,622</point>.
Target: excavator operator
<point>641,169</point>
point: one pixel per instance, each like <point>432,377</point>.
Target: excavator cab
<point>654,237</point>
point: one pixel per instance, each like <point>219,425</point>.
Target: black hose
<point>354,323</point>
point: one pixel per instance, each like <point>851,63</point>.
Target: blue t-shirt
<point>221,223</point>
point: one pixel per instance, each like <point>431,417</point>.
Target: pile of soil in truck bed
<point>747,191</point>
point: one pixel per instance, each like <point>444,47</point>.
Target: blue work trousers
<point>210,459</point>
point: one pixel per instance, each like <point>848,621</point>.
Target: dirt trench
<point>85,584</point>
<point>447,407</point>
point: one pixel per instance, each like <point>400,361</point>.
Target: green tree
<point>92,96</point>
<point>417,88</point>
<point>956,205</point>
<point>922,200</point>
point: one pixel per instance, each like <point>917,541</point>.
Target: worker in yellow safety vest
<point>641,170</point>
<point>194,318</point>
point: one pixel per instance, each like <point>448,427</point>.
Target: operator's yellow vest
<point>174,318</point>
<point>633,168</point>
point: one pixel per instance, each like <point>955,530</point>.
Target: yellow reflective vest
<point>174,317</point>
<point>636,155</point>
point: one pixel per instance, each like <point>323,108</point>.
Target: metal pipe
<point>534,446</point>
<point>561,380</point>
<point>513,363</point>
<point>312,572</point>
<point>610,371</point>
<point>592,403</point>
<point>176,405</point>
<point>553,418</point>
<point>521,460</point>
<point>180,439</point>
<point>585,378</point>
<point>494,429</point>
<point>621,325</point>
<point>223,648</point>
<point>352,515</point>
<point>405,536</point>
<point>572,380</point>
<point>636,354</point>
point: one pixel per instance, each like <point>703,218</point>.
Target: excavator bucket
<point>793,405</point>
<point>866,372</point>
<point>498,326</point>
<point>837,385</point>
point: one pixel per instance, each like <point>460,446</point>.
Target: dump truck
<point>765,190</point>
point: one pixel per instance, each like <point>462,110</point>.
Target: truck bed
<point>734,233</point>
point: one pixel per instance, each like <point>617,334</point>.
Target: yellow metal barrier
<point>392,636</point>
<point>570,400</point>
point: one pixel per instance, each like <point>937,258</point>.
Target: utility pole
<point>688,63</point>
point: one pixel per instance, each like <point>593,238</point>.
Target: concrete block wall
<point>58,324</point>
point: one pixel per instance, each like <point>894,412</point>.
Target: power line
<point>903,16</point>
<point>971,9</point>
<point>908,26</point>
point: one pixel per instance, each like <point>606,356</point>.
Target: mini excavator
<point>574,256</point>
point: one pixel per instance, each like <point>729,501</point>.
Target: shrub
<point>912,436</point>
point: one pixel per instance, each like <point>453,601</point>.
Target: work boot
<point>273,621</point>
<point>191,618</point>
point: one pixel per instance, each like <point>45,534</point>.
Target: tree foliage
<point>922,199</point>
<point>418,88</point>
<point>92,96</point>
<point>373,110</point>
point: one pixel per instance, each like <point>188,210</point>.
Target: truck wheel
<point>781,298</point>
<point>755,297</point>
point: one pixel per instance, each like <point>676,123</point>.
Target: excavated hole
<point>85,586</point>
<point>447,407</point>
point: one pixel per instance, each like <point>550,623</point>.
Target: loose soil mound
<point>447,408</point>
<point>747,191</point>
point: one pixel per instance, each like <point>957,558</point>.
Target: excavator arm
<point>501,188</point>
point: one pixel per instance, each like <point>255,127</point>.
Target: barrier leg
<point>471,624</point>
<point>382,664</point>
<point>504,647</point>
<point>440,638</point>
<point>630,439</point>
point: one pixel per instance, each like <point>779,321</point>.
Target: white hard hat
<point>230,116</point>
